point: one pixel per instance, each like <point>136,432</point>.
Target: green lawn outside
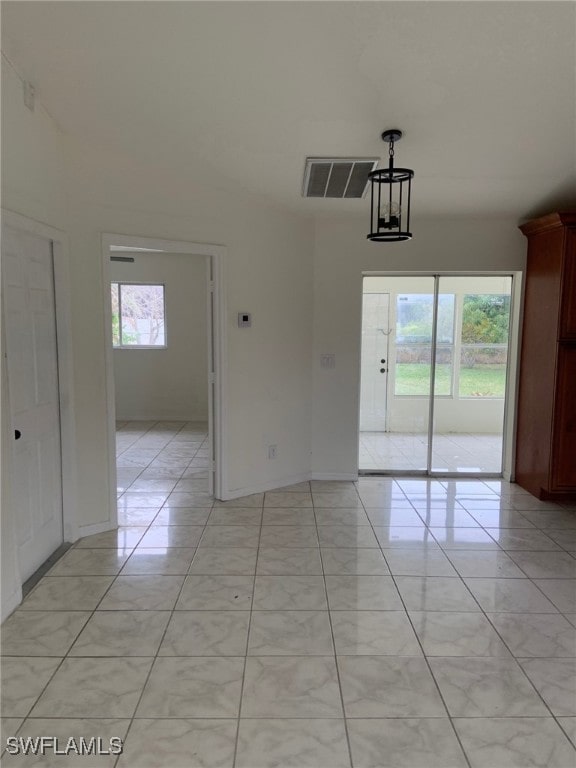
<point>480,381</point>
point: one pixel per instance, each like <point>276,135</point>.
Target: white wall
<point>88,191</point>
<point>171,383</point>
<point>33,178</point>
<point>32,185</point>
<point>268,272</point>
<point>342,255</point>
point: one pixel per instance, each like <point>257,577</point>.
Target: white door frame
<point>216,339</point>
<point>62,301</point>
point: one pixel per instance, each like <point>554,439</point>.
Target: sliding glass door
<point>434,369</point>
<point>467,434</point>
<point>397,384</point>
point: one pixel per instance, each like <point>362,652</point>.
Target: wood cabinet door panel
<point>568,309</point>
<point>564,447</point>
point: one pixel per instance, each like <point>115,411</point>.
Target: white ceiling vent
<point>337,177</point>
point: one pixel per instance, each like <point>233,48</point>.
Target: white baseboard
<point>344,476</point>
<point>90,530</point>
<point>10,603</point>
<point>271,485</point>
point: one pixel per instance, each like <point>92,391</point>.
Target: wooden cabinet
<point>568,310</point>
<point>546,425</point>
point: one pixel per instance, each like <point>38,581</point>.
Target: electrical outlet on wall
<point>244,320</point>
<point>272,450</point>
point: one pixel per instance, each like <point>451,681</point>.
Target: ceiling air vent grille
<point>337,177</point>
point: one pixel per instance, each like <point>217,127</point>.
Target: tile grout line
<point>512,656</point>
<point>344,717</point>
<point>484,613</point>
<point>141,437</point>
<point>67,654</point>
<point>147,467</point>
<point>150,525</point>
<point>155,657</point>
<point>564,731</point>
<point>448,715</point>
<point>238,719</point>
<point>37,699</point>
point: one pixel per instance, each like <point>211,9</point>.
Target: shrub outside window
<point>484,347</point>
<point>138,315</point>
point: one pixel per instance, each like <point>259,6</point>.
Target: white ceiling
<point>239,93</point>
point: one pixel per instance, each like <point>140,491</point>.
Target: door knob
<point>17,434</point>
<point>382,370</point>
<point>382,361</point>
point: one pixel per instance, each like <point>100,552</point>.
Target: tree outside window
<point>138,315</point>
<point>484,350</point>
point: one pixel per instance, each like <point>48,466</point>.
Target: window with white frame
<point>138,315</point>
<point>470,363</point>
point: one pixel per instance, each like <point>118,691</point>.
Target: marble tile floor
<point>451,452</point>
<point>391,623</point>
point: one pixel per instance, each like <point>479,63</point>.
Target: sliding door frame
<point>511,385</point>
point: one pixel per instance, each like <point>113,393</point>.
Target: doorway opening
<point>434,374</point>
<point>164,374</point>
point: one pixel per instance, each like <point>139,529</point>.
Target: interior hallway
<point>389,623</point>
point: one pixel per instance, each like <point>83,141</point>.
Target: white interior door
<point>374,366</point>
<point>32,364</point>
